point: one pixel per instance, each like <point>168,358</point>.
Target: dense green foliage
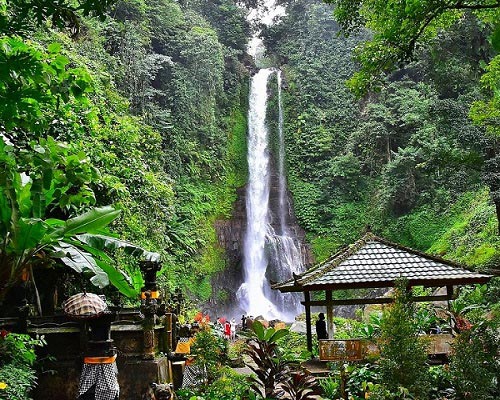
<point>408,162</point>
<point>151,100</point>
<point>403,354</point>
<point>17,357</point>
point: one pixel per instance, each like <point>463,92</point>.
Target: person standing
<point>227,330</point>
<point>233,329</point>
<point>321,327</point>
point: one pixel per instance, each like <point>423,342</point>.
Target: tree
<point>17,17</point>
<point>403,354</point>
<point>399,27</point>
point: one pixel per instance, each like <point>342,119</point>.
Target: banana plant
<point>29,239</point>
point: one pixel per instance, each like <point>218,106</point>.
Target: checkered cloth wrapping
<point>194,376</point>
<point>104,377</point>
<point>84,305</point>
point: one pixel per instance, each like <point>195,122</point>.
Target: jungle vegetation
<point>142,105</point>
<point>131,103</point>
<point>408,157</point>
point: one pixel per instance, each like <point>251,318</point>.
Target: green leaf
<point>268,334</point>
<point>28,235</point>
<point>81,261</point>
<point>105,242</point>
<point>54,48</point>
<point>258,329</point>
<point>5,213</point>
<point>120,280</point>
<point>89,222</point>
<point>278,335</point>
<point>495,38</point>
<point>38,199</point>
<point>23,195</point>
<point>98,254</point>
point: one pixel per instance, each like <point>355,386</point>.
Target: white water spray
<point>267,251</point>
<point>252,291</point>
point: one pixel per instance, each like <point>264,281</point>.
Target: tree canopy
<point>400,27</point>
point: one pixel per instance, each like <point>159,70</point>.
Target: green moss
<point>470,236</point>
<point>323,247</point>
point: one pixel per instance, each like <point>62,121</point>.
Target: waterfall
<point>255,260</point>
<point>270,249</point>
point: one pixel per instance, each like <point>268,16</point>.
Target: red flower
<point>463,324</point>
<point>3,333</point>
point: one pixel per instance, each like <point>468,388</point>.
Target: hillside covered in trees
<point>406,160</point>
<point>143,105</point>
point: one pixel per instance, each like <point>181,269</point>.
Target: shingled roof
<point>373,262</point>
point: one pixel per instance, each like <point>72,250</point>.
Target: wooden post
<point>329,314</point>
<point>307,299</point>
<point>449,294</point>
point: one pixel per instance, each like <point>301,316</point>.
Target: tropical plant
<point>371,329</point>
<point>403,354</point>
<point>22,15</point>
<point>28,195</point>
<point>474,365</point>
<point>440,378</point>
<point>330,387</point>
<point>229,385</point>
<point>359,379</point>
<point>270,370</point>
<point>300,385</point>
<point>210,350</point>
<point>17,356</point>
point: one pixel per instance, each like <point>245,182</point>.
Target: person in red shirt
<point>227,329</point>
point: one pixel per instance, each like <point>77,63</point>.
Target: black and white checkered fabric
<point>194,376</point>
<point>104,377</point>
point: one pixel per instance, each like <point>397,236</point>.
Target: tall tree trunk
<point>497,207</point>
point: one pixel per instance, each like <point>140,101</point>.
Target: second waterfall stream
<point>270,249</point>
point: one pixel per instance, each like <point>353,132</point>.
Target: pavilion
<point>373,262</point>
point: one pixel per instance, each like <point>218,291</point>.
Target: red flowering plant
<point>202,320</point>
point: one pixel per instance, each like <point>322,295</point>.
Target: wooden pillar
<point>307,299</point>
<point>449,292</point>
<point>329,314</point>
<point>449,295</point>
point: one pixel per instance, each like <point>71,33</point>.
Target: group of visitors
<point>226,328</point>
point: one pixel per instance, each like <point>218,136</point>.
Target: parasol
<point>84,306</point>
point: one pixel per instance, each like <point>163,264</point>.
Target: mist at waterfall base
<point>270,250</point>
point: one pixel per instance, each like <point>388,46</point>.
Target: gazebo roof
<point>373,262</point>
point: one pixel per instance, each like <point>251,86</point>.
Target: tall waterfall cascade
<point>270,250</point>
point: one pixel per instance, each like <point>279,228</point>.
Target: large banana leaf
<point>27,235</point>
<point>80,261</point>
<point>128,286</point>
<point>90,222</point>
<point>5,213</point>
<point>102,242</point>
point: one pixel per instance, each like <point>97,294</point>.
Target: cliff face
<point>231,235</point>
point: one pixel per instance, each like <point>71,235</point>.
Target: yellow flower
<point>3,385</point>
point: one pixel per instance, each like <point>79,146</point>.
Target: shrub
<point>17,356</point>
<point>211,351</point>
<point>228,386</point>
<point>403,354</point>
<point>475,366</point>
<point>19,381</point>
<point>330,387</point>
